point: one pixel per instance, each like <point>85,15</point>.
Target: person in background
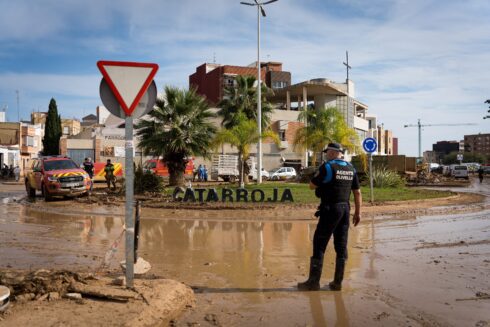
<point>204,173</point>
<point>195,173</point>
<point>480,174</point>
<point>88,166</point>
<point>200,173</point>
<point>109,174</point>
<point>17,173</point>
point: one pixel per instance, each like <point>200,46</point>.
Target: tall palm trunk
<point>176,174</point>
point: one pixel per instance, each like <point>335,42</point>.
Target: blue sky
<point>411,59</point>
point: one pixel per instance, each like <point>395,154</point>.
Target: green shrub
<point>147,182</point>
<point>383,177</point>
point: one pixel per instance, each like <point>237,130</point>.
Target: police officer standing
<point>333,184</point>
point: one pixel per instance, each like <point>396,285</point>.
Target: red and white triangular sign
<point>128,81</point>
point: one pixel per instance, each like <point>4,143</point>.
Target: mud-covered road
<point>402,270</point>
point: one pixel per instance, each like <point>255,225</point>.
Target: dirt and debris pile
<point>64,298</point>
<point>33,285</point>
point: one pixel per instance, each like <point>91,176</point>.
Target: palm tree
<point>242,98</point>
<point>177,129</point>
<point>323,127</point>
<point>242,136</point>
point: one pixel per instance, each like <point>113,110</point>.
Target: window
<point>66,130</point>
<point>59,164</point>
<point>282,135</point>
<point>279,84</point>
<point>28,140</point>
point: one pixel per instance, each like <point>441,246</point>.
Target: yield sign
<point>128,81</point>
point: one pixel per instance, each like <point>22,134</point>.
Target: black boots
<point>336,284</point>
<point>313,282</point>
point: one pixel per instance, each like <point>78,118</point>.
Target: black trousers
<point>334,220</point>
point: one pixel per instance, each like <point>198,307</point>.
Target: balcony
<point>28,149</point>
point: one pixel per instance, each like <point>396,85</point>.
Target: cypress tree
<point>52,131</point>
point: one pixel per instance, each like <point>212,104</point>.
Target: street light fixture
<point>260,10</point>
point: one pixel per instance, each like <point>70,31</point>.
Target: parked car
<point>252,175</point>
<point>486,170</point>
<point>56,176</point>
<point>282,173</point>
<point>460,171</point>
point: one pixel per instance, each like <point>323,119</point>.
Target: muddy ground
<point>409,265</point>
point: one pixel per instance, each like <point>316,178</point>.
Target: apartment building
<point>478,144</point>
<point>289,100</point>
<point>210,80</point>
<point>19,143</point>
<point>68,126</point>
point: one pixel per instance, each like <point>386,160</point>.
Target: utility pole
<point>419,125</point>
<point>260,10</point>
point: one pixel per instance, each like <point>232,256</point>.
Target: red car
<point>56,176</point>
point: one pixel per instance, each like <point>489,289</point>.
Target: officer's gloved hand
<point>318,193</point>
<point>317,212</point>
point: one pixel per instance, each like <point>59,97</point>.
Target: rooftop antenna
<point>347,67</point>
<point>214,57</point>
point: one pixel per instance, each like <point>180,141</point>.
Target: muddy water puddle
<point>402,270</point>
<point>433,266</point>
<point>33,239</point>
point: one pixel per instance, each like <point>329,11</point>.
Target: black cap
<point>335,147</point>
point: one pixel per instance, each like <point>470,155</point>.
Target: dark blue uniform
<point>335,180</point>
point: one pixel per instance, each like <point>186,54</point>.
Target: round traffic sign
<point>369,144</point>
<point>110,101</point>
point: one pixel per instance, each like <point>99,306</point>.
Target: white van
<point>460,171</point>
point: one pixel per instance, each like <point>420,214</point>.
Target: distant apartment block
<point>210,80</point>
<point>19,143</point>
<point>477,144</point>
<point>68,126</point>
<point>443,148</point>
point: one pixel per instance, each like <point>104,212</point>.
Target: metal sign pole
<point>371,176</point>
<point>129,203</point>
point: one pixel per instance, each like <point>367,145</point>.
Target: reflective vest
<point>337,184</point>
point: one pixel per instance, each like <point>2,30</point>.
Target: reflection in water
<point>317,309</point>
<point>38,239</point>
<point>342,315</point>
<point>371,271</point>
<point>242,252</point>
<point>320,300</point>
<point>238,254</point>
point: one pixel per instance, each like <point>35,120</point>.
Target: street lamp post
<point>259,95</point>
